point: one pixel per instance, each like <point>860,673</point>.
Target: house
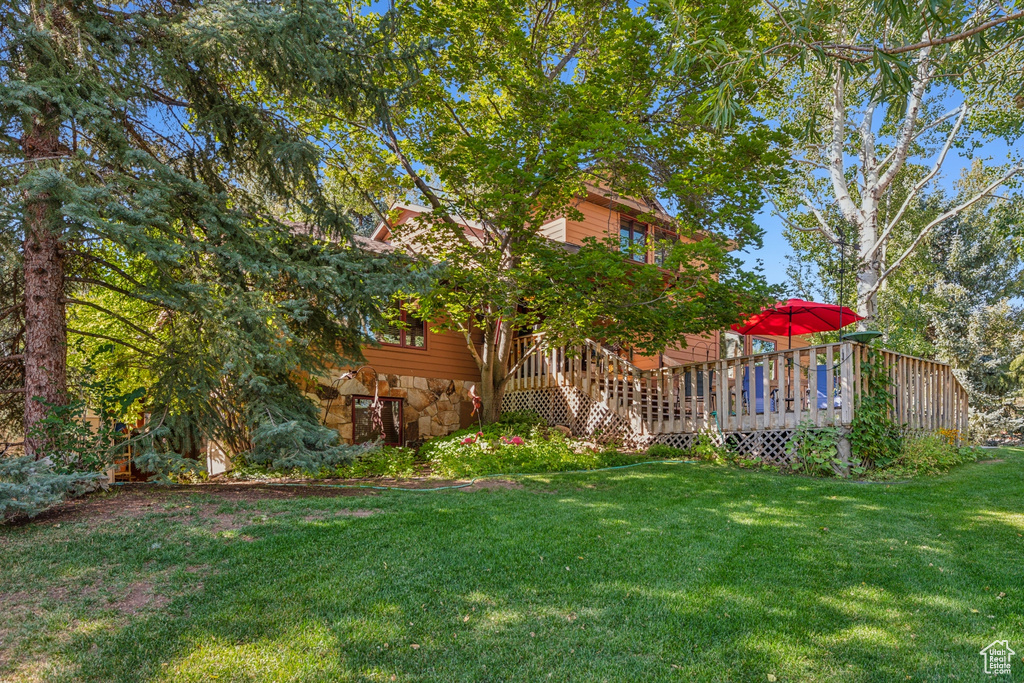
<point>423,377</point>
<point>749,393</point>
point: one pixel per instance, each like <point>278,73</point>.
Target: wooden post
<point>846,382</point>
<point>706,402</point>
<point>830,379</point>
<point>813,387</point>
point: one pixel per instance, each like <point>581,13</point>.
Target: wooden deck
<point>819,385</point>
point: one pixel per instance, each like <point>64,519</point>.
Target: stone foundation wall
<point>431,406</point>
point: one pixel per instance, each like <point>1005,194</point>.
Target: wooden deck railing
<point>817,384</point>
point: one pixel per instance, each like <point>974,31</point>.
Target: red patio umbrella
<point>797,316</point>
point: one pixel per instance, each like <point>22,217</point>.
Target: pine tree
<point>28,486</point>
<point>148,172</point>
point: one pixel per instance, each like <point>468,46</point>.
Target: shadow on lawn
<point>706,573</point>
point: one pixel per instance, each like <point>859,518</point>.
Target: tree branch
<point>937,122</point>
<point>112,339</point>
<point>906,136</point>
<point>920,184</point>
<point>949,214</point>
<point>101,309</point>
<point>823,227</point>
<point>113,288</point>
<point>836,172</point>
<point>107,264</point>
<point>533,349</point>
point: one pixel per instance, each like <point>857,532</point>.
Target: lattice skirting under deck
<point>767,446</point>
<point>570,407</point>
<point>589,419</point>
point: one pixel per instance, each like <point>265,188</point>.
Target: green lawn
<point>659,572</point>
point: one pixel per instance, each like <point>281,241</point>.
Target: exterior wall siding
<point>445,355</point>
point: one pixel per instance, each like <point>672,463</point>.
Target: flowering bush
<point>516,447</point>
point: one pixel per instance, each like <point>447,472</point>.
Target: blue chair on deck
<point>758,390</point>
<point>837,397</point>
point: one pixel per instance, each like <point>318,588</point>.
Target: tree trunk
<point>491,394</point>
<point>45,324</point>
<point>867,295</point>
<point>492,360</point>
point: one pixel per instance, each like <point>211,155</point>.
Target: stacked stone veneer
<point>430,407</point>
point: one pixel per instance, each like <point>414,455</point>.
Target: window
<point>363,429</point>
<point>633,239</point>
<point>762,345</point>
<point>664,241</point>
<point>408,331</point>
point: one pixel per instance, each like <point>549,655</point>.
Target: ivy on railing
<point>875,437</point>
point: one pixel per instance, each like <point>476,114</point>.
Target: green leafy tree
<point>521,108</point>
<point>877,90</point>
<point>147,168</point>
<point>957,297</point>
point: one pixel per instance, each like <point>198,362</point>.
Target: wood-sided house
<point>423,377</point>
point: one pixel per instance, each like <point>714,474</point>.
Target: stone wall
<point>431,406</point>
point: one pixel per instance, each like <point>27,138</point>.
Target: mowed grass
<point>659,572</point>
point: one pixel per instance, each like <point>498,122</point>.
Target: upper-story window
<point>407,330</point>
<point>664,241</point>
<point>633,239</point>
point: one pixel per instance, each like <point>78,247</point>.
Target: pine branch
<point>111,339</point>
<point>113,288</point>
<point>120,318</point>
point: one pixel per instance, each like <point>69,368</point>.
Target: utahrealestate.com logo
<point>998,657</point>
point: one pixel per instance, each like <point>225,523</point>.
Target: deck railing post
<point>846,382</point>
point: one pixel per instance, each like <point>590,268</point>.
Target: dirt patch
<point>357,513</point>
<point>57,593</point>
<point>222,521</point>
<point>139,500</point>
<point>491,484</point>
<point>140,596</point>
<point>321,515</point>
<point>992,461</point>
<point>15,598</point>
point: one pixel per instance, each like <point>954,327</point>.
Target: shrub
<point>707,449</point>
<point>815,451</point>
<point>29,486</point>
<point>385,461</point>
<point>521,419</point>
<point>926,454</point>
<point>370,461</point>
<point>495,449</point>
<point>663,451</point>
<point>876,441</point>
